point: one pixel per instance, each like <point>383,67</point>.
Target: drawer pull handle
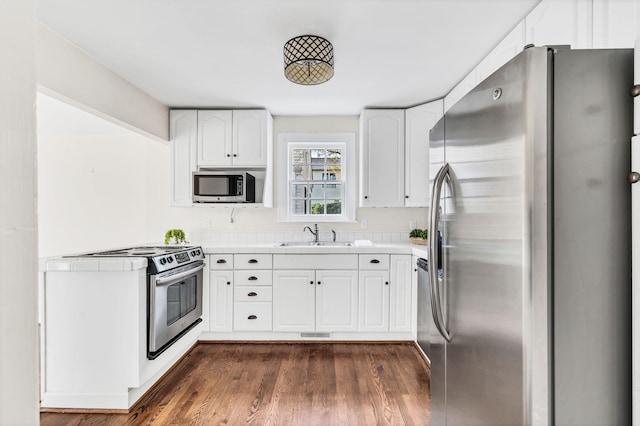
<point>253,260</point>
<point>252,278</point>
<point>252,294</point>
<point>221,261</point>
<point>252,317</point>
<point>374,261</point>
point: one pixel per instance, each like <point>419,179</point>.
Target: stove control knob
<point>193,253</point>
<point>163,261</point>
<point>199,252</point>
<point>170,259</point>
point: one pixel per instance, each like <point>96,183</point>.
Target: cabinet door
<point>336,301</point>
<point>294,300</point>
<point>566,22</point>
<point>418,122</point>
<point>250,136</point>
<point>214,138</point>
<point>183,139</point>
<point>220,300</point>
<point>614,23</point>
<point>382,158</point>
<point>373,304</point>
<point>400,309</point>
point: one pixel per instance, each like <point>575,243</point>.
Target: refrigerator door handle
<point>434,287</point>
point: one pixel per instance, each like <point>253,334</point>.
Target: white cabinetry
<point>252,308</point>
<point>233,138</point>
<point>614,23</point>
<point>373,301</point>
<point>320,301</point>
<point>221,292</point>
<point>183,141</point>
<point>400,293</point>
<point>214,138</point>
<point>561,22</point>
<point>418,122</point>
<point>382,158</point>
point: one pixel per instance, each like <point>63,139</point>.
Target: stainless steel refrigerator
<point>533,305</point>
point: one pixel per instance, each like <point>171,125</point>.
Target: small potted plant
<point>419,236</point>
<point>177,235</point>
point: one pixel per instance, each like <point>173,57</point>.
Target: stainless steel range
<point>174,296</point>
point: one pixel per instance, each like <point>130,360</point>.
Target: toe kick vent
<point>315,334</point>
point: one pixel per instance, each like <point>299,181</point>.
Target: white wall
<point>18,232</point>
<point>71,75</point>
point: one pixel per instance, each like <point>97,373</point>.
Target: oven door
<point>175,305</point>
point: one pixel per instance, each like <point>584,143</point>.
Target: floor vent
<point>315,334</point>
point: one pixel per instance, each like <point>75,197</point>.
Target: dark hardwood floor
<point>282,384</point>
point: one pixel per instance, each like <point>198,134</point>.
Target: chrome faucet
<point>315,233</point>
<point>334,235</point>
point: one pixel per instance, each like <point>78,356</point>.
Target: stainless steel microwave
<point>223,187</point>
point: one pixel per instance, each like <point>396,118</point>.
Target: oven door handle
<point>177,277</point>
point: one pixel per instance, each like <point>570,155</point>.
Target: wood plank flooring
<point>282,384</point>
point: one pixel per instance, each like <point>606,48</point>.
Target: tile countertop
<point>276,248</point>
<point>66,264</point>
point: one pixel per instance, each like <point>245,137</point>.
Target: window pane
<point>301,172</point>
<point>317,207</point>
<point>317,191</point>
<point>299,190</point>
<point>334,156</point>
<point>334,207</point>
<point>334,191</point>
<point>300,157</point>
<point>299,207</point>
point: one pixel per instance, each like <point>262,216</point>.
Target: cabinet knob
<point>633,177</point>
<point>228,155</point>
<point>311,282</point>
<point>635,91</point>
<point>235,155</point>
<point>319,283</point>
<point>252,294</point>
<point>228,282</point>
<point>365,197</point>
<point>406,196</point>
<point>252,317</point>
<point>386,283</point>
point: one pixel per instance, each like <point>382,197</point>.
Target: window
<point>316,177</point>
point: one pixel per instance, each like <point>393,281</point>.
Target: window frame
<point>329,140</point>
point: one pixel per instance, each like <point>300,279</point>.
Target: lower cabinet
<point>220,300</point>
<point>374,301</point>
<point>315,301</point>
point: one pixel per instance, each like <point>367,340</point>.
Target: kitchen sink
<point>315,244</point>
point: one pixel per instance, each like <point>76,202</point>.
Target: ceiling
<point>229,53</point>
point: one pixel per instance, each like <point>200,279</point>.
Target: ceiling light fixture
<point>308,60</point>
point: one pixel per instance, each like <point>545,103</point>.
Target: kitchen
<point>248,221</point>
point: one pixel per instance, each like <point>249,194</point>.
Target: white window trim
<point>348,142</point>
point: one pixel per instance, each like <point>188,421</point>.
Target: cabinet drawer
<point>373,261</point>
<point>252,316</point>
<point>252,261</point>
<point>221,261</point>
<point>252,294</point>
<point>252,278</point>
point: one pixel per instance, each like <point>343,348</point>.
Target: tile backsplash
<point>203,237</point>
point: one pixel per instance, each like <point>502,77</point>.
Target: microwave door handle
<point>434,287</point>
<point>177,277</point>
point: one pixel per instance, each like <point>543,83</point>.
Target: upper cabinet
<point>183,134</point>
<point>561,22</point>
<point>418,122</point>
<point>220,140</point>
<point>236,138</point>
<point>382,158</point>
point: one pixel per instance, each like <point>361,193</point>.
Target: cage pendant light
<point>308,60</point>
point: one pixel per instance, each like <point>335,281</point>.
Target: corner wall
<point>18,233</point>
